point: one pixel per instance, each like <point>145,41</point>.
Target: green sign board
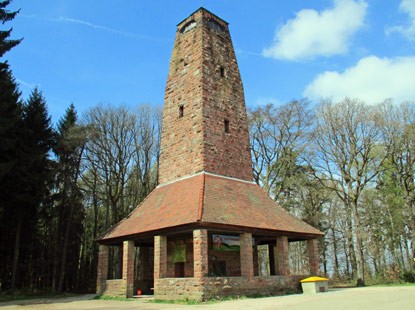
<point>179,253</point>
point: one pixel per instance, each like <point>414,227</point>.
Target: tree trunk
<point>359,251</point>
<point>412,225</point>
<point>350,244</point>
<point>409,261</point>
<point>348,270</point>
<point>64,251</point>
<point>336,260</point>
<point>16,253</point>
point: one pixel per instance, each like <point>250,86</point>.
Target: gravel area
<point>368,298</point>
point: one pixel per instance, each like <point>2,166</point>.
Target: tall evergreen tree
<point>35,173</point>
<point>5,15</point>
<point>70,211</point>
<point>11,132</point>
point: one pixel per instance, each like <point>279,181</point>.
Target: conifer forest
<point>346,168</point>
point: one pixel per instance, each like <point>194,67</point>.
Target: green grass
<point>393,284</point>
<point>7,297</point>
<point>187,301</point>
<point>113,298</point>
<point>370,282</point>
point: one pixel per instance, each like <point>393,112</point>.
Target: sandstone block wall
<point>281,257</point>
<point>313,256</point>
<point>203,91</point>
<point>115,288</point>
<point>217,287</point>
<point>188,265</point>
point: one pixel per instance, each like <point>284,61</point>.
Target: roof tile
<point>209,199</point>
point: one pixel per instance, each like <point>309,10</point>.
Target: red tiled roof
<point>240,203</point>
<point>206,198</point>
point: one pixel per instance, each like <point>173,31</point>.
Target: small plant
<point>408,276</point>
<point>119,298</point>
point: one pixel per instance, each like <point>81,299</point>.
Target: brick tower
<point>204,120</point>
<point>206,197</point>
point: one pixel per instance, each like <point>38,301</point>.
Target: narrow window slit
<point>226,122</point>
<point>222,72</point>
<point>181,110</point>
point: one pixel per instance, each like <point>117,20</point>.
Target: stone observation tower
<point>206,220</point>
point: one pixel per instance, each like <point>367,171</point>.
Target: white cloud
<point>99,27</point>
<point>26,84</point>
<point>372,80</point>
<point>313,33</point>
<point>63,19</point>
<point>408,7</point>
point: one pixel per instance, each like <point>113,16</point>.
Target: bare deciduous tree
<point>278,139</point>
<point>398,133</point>
<point>347,158</point>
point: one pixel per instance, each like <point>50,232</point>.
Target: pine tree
<point>34,171</point>
<point>5,15</point>
<point>11,132</point>
<point>68,150</point>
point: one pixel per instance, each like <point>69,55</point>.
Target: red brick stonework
<point>188,264</point>
<point>282,263</point>
<point>128,266</point>
<point>313,256</point>
<point>203,92</point>
<point>102,272</point>
<point>247,258</point>
<point>160,257</point>
<point>217,287</point>
<point>200,253</point>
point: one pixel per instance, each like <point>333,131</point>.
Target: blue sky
<point>118,52</point>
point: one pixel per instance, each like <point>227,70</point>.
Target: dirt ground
<point>370,298</point>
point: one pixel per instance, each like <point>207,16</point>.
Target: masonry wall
<point>188,265</point>
<point>216,287</point>
<point>233,261</point>
<point>204,80</point>
<point>117,288</point>
<point>225,153</point>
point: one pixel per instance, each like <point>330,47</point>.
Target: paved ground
<point>370,298</point>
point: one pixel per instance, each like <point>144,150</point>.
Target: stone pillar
<point>160,257</point>
<point>200,253</point>
<point>247,259</point>
<point>102,272</point>
<point>313,256</point>
<point>282,263</point>
<point>128,267</point>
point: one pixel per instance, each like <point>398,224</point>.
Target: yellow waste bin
<point>315,285</point>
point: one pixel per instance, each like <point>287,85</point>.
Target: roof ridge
<point>229,178</point>
<point>180,179</point>
<point>202,194</point>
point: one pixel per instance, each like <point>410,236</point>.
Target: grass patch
<point>12,297</point>
<point>392,284</point>
<point>113,298</point>
<point>370,282</point>
<point>187,301</point>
